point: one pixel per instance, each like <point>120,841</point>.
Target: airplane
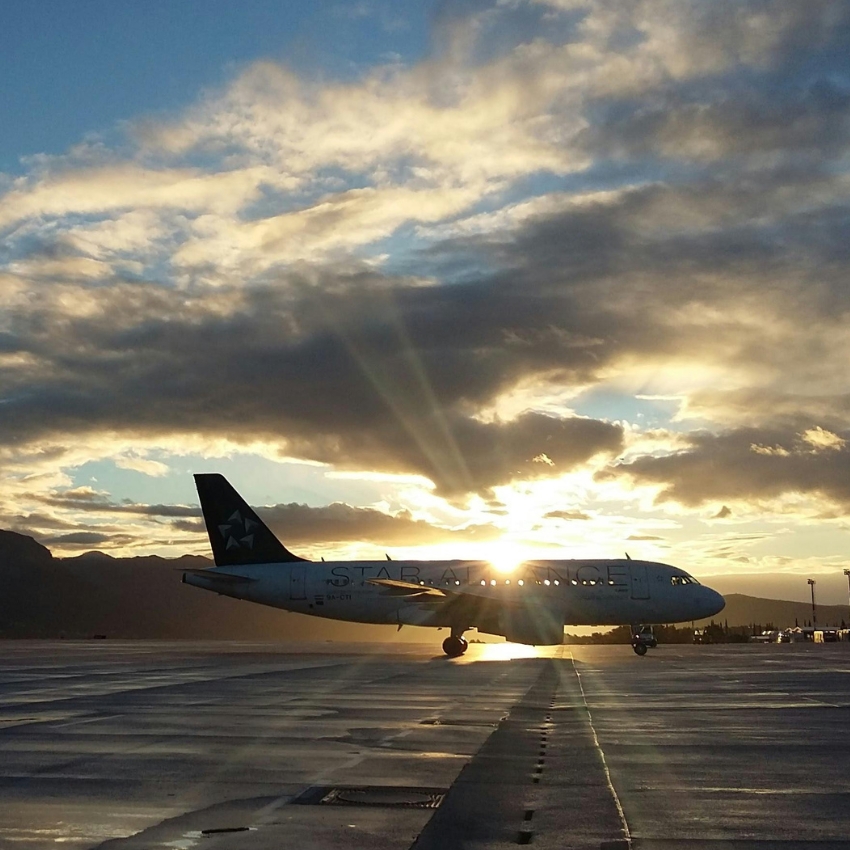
<point>531,605</point>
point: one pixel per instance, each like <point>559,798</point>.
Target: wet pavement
<point>729,746</point>
<point>234,745</point>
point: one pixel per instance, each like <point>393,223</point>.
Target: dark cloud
<point>84,499</point>
<point>813,123</point>
<point>755,405</point>
<point>778,111</point>
<point>339,523</point>
<point>355,377</point>
<point>475,455</point>
<point>365,370</point>
<point>88,538</point>
<point>25,524</point>
<point>747,464</point>
<point>188,526</point>
<point>740,264</point>
<point>293,523</point>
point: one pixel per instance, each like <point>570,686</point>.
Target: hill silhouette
<point>96,594</point>
<point>741,610</point>
<point>143,597</point>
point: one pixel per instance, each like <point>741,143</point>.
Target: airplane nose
<point>712,602</point>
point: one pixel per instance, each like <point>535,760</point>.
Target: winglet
<point>237,535</point>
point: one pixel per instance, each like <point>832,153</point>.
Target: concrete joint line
<point>626,842</point>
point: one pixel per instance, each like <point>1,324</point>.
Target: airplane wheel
<point>639,648</point>
<point>454,646</point>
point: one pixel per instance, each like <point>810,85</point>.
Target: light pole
<point>847,573</point>
<point>814,610</point>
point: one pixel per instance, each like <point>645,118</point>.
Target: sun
<point>505,557</point>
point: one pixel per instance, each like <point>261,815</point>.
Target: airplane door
<point>297,589</point>
<point>640,585</point>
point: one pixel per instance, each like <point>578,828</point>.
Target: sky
<point>555,278</point>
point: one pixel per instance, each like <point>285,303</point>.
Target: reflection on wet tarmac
<point>163,741</point>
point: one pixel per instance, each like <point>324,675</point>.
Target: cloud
<point>644,199</point>
<point>809,122</point>
<point>355,367</point>
<point>733,465</point>
<point>472,124</point>
<point>81,538</point>
<point>86,499</point>
<point>567,515</point>
<point>822,440</point>
<point>294,523</point>
<point>101,189</point>
<point>374,372</point>
<point>154,468</point>
<point>757,405</point>
<point>335,224</point>
<point>338,523</point>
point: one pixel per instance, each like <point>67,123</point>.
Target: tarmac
<point>128,745</point>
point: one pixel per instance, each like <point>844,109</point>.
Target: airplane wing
<point>450,603</point>
<point>408,588</point>
<point>463,591</point>
<point>516,616</point>
<point>466,601</point>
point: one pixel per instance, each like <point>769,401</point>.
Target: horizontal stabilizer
<point>214,575</point>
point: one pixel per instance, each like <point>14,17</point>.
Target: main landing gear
<point>455,645</point>
<point>643,638</point>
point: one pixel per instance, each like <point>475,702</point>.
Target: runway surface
<point>223,745</point>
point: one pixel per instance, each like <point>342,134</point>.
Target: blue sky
<point>562,277</point>
<point>75,69</point>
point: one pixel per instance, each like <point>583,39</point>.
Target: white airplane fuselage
<point>570,592</point>
<point>530,604</point>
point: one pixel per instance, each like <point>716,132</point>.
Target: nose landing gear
<point>643,638</point>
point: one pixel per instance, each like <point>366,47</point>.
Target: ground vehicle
<point>766,637</point>
<point>703,636</point>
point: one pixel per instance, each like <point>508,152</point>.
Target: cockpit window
<point>679,580</point>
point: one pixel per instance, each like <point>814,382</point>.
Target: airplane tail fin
<point>237,535</point>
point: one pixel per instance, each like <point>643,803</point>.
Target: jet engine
<point>535,625</point>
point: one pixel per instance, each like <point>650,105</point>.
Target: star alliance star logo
<point>237,532</point>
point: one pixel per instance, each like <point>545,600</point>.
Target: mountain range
<point>143,597</point>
